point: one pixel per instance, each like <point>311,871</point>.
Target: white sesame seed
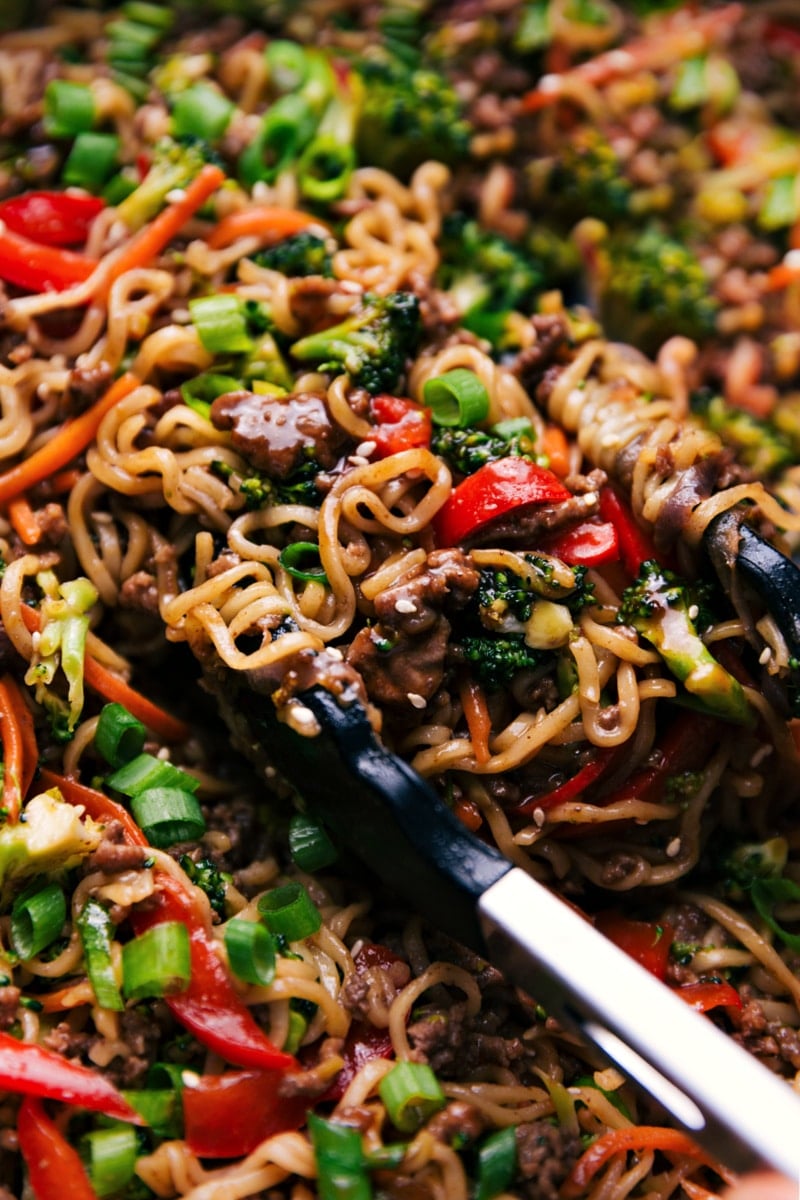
<point>302,720</point>
<point>181,316</point>
<point>175,196</point>
<point>366,448</point>
<point>792,259</point>
<point>358,460</point>
<point>260,192</point>
<point>694,612</point>
<point>765,656</point>
<point>190,1078</point>
<point>405,606</point>
<point>335,652</point>
<point>415,700</point>
<point>163,754</point>
<point>550,83</point>
<point>589,498</point>
<point>36,638</point>
<point>674,848</point>
<point>539,817</point>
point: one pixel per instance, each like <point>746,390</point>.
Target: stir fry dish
<point>437,353</point>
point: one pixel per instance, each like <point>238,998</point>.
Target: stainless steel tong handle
<point>716,1090</point>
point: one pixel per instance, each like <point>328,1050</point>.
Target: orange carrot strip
<point>149,242</point>
<point>556,447</point>
<point>272,224</point>
<point>785,273</point>
<point>72,438</point>
<point>636,1138</point>
<point>99,806</point>
<point>479,723</point>
<point>64,481</point>
<point>71,996</point>
<point>23,519</point>
<point>30,750</point>
<point>14,768</point>
<point>113,688</point>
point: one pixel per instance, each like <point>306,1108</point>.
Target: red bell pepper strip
<point>493,491</point>
<point>589,544</point>
<point>51,218</point>
<point>35,1071</point>
<point>228,1116</point>
<point>684,747</point>
<point>646,941</point>
<point>573,787</point>
<point>635,546</point>
<point>702,997</point>
<point>209,1007</point>
<point>364,1042</point>
<point>38,268</point>
<point>402,424</point>
<point>55,1170</point>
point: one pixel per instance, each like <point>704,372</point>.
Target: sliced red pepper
<point>635,546</point>
<point>589,544</point>
<point>35,1071</point>
<point>684,747</point>
<point>55,1170</point>
<point>784,39</point>
<point>571,787</point>
<point>228,1116</point>
<point>493,491</point>
<point>402,424</point>
<point>704,996</point>
<point>51,218</point>
<point>209,1007</point>
<point>38,268</point>
<point>646,941</point>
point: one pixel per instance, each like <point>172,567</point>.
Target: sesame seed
<point>674,848</point>
<point>405,606</point>
<point>358,460</point>
<point>765,656</point>
<point>415,700</point>
<point>694,612</point>
<point>36,638</point>
<point>366,448</point>
<point>335,652</point>
<point>175,196</point>
<point>539,817</point>
<point>792,258</point>
<point>302,720</point>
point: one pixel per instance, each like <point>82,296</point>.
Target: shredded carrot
<point>16,731</point>
<point>71,996</point>
<point>99,806</point>
<point>72,438</point>
<point>23,519</point>
<point>272,224</point>
<point>479,722</point>
<point>468,813</point>
<point>556,447</point>
<point>113,688</point>
<point>149,242</point>
<point>617,1141</point>
<point>785,273</point>
<point>64,481</point>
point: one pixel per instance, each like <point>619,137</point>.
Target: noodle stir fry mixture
<point>412,349</point>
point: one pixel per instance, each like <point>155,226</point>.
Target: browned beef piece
<point>276,434</point>
<point>551,334</point>
<point>384,979</point>
<point>397,672</point>
<point>413,606</point>
<point>451,1044</point>
<point>86,384</point>
<point>140,592</point>
<point>545,1155</point>
<point>530,525</point>
<point>458,1120</point>
<point>9,1002</point>
<point>312,1081</point>
<point>114,853</point>
<point>777,1045</point>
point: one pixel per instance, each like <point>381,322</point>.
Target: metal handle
<point>729,1102</point>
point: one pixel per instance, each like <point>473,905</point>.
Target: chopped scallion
<point>221,324</point>
<point>68,108</point>
<point>146,771</point>
<point>251,951</point>
<point>456,399</point>
<point>37,918</point>
<point>309,844</point>
<point>202,111</point>
<point>168,815</point>
<point>497,1162</point>
<point>301,560</point>
<point>91,160</point>
<point>96,929</point>
<point>161,1109</point>
<point>110,1156</point>
<point>411,1094</point>
<point>289,911</point>
<point>285,131</point>
<point>119,736</point>
<point>341,1170</point>
<point>157,962</point>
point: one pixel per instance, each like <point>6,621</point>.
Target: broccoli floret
<point>207,876</point>
<point>504,596</point>
<point>372,344</point>
<point>302,254</point>
<point>494,661</point>
<point>486,275</point>
<point>408,115</point>
<point>259,491</point>
<point>654,287</point>
<point>660,607</point>
<point>586,179</point>
<point>174,165</point>
<point>466,450</point>
<point>758,444</point>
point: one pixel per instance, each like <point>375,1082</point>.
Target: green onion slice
<point>145,772</point>
<point>324,169</point>
<point>149,14</point>
<point>91,161</point>
<point>199,393</point>
<point>168,815</point>
<point>497,1163</point>
<point>110,1156</point>
<point>161,1109</point>
<point>288,65</point>
<point>96,930</point>
<point>287,128</point>
<point>456,399</point>
<point>120,735</point>
<point>221,324</point>
<point>302,561</point>
<point>341,1169</point>
<point>309,844</point>
<point>37,919</point>
<point>251,951</point>
<point>514,427</point>
<point>157,962</point>
<point>411,1094</point>
<point>765,894</point>
<point>203,112</point>
<point>289,911</point>
<point>68,108</point>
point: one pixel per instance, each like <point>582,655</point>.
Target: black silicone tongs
<point>383,811</point>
